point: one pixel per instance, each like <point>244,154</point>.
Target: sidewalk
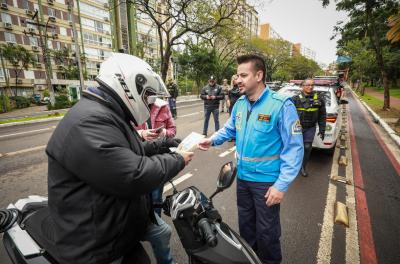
<point>394,101</point>
<point>42,109</point>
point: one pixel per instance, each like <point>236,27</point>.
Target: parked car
<point>333,114</point>
<point>275,86</point>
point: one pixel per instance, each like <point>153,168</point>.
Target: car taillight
<point>331,118</point>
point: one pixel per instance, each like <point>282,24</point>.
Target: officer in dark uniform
<point>173,91</point>
<point>311,110</point>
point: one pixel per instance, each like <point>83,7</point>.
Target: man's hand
<point>204,144</point>
<point>273,196</point>
<point>149,134</point>
<point>213,97</point>
<point>208,97</point>
<point>187,156</point>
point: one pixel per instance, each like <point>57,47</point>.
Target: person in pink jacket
<point>160,116</point>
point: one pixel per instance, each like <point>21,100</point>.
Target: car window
<point>326,95</point>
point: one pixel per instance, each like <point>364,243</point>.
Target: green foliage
<point>20,101</point>
<point>5,103</point>
<point>62,101</point>
<point>46,93</point>
<point>276,53</point>
<point>18,57</point>
<point>198,62</point>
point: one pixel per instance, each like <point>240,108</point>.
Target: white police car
<point>333,114</point>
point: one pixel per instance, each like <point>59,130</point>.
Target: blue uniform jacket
<point>269,141</point>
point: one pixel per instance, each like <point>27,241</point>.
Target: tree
<point>363,62</point>
<point>64,57</point>
<point>368,19</point>
<point>300,67</point>
<point>276,53</point>
<point>198,62</point>
<point>19,58</point>
<point>175,20</point>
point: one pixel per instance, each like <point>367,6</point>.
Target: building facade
<point>46,28</point>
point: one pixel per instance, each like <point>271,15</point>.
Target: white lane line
<point>23,151</point>
<point>184,177</point>
<point>190,105</point>
<point>192,114</point>
<point>325,241</point>
<point>352,245</point>
<point>27,132</point>
<point>226,153</point>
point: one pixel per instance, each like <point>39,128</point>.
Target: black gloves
<point>321,134</point>
<point>170,143</point>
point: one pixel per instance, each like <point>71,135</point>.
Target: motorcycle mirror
<point>226,177</point>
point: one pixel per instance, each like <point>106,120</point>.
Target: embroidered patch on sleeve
<point>262,117</point>
<point>296,128</point>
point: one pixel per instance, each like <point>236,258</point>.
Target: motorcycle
<point>203,234</point>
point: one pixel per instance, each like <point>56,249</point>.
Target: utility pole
<point>43,45</point>
<point>77,49</point>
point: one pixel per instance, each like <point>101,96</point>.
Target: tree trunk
<point>379,59</point>
<point>386,94</point>
<point>165,62</point>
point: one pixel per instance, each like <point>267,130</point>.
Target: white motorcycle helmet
<point>130,78</point>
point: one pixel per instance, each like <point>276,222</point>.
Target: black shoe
<point>204,134</point>
<point>304,172</point>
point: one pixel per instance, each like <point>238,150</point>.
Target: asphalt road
<point>305,212</point>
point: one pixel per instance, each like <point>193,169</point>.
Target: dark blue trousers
<point>259,224</point>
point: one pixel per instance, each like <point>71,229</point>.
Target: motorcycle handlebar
<point>208,234</point>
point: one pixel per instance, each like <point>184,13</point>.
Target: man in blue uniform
<point>269,147</point>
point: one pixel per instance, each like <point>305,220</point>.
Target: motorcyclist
<point>101,174</point>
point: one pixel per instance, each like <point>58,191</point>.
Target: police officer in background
<point>211,94</point>
<point>311,110</point>
<point>269,153</point>
<point>173,91</point>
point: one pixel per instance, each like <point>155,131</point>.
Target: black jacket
<point>173,90</point>
<point>309,119</point>
<point>215,90</point>
<point>99,176</point>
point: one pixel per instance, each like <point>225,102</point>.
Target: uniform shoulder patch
<point>296,128</point>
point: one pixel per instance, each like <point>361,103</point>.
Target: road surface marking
<point>185,106</point>
<point>226,153</point>
<point>190,114</point>
<point>325,241</point>
<point>23,151</point>
<point>352,245</point>
<point>184,177</point>
<point>27,132</point>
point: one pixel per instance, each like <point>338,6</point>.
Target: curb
<point>379,120</point>
<point>44,120</point>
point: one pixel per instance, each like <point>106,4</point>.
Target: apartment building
<point>248,17</point>
<point>54,26</point>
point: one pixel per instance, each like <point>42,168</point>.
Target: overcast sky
<point>304,21</point>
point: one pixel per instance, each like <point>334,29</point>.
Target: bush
<point>62,102</point>
<point>21,101</point>
<point>6,102</point>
